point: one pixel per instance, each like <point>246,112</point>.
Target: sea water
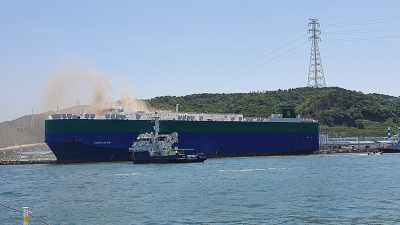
<point>314,189</point>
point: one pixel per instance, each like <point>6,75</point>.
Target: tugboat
<point>160,147</point>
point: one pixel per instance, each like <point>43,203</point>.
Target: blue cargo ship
<point>90,138</point>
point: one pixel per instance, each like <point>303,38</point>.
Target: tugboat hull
<point>144,157</point>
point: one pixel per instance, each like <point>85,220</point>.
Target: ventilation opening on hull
<point>74,139</point>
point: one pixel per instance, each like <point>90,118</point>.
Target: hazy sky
<point>60,52</point>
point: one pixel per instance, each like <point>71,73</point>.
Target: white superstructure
<point>121,114</point>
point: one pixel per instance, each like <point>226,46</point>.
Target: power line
<point>242,75</point>
<point>361,31</point>
<point>364,22</point>
<point>363,38</point>
<point>233,71</point>
<point>246,71</point>
<point>351,35</point>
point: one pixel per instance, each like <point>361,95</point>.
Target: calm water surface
<point>316,189</point>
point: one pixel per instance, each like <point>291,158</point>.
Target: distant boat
<point>376,152</point>
<point>159,147</point>
<point>392,145</point>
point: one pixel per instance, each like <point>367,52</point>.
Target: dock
<point>8,161</point>
<point>38,153</point>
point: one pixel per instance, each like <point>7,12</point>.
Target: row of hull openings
<point>201,118</point>
<point>87,116</point>
<point>162,139</point>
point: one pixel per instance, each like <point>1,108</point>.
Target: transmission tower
<point>316,77</point>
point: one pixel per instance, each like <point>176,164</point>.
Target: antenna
<point>316,76</point>
<point>32,120</point>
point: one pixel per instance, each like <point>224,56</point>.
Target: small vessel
<point>160,147</point>
<point>376,152</point>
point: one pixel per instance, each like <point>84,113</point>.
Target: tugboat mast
<point>156,130</point>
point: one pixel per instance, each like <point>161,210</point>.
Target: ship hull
<point>145,158</point>
<point>390,150</point>
<point>81,140</point>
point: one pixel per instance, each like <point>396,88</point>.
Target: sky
<point>64,52</point>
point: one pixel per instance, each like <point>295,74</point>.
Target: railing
<point>25,214</point>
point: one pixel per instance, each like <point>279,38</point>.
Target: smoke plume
<point>71,85</point>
